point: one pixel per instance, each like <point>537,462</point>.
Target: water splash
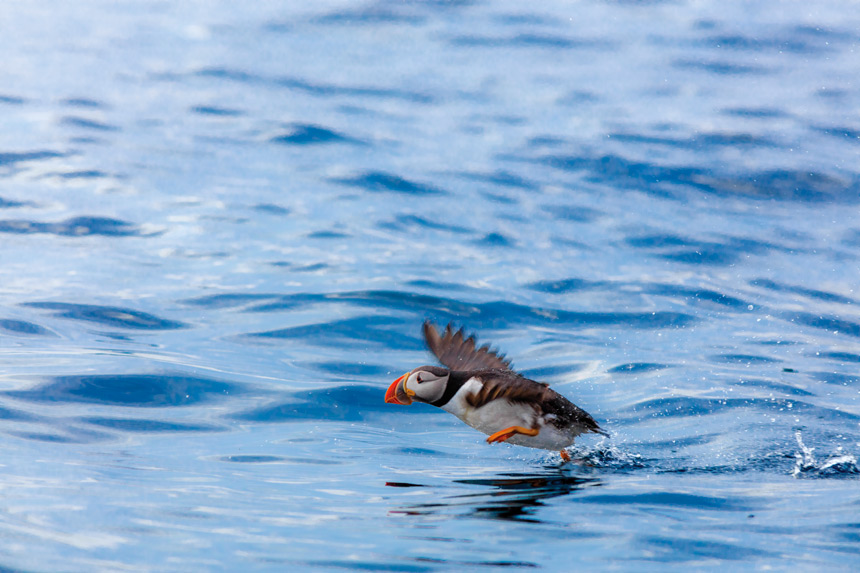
<point>835,466</point>
<point>605,455</point>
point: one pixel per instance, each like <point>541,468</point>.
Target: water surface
<point>223,226</point>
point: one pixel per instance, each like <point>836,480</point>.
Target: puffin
<point>479,386</point>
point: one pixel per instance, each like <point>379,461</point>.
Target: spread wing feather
<point>458,352</point>
<point>515,388</point>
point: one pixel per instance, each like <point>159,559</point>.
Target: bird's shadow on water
<point>507,496</point>
<point>519,495</point>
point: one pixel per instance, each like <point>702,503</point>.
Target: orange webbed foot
<point>565,456</point>
<point>507,433</point>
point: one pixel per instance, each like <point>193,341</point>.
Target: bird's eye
<point>418,379</point>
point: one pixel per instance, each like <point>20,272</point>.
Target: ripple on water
<point>139,425</point>
<point>441,309</point>
<point>23,328</point>
<point>137,390</point>
<point>665,180</point>
<point>351,403</point>
<point>376,181</point>
<point>74,227</point>
<point>114,316</point>
<point>310,134</point>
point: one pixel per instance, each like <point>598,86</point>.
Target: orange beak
<point>398,393</point>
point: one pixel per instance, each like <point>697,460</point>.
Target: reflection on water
<point>507,496</point>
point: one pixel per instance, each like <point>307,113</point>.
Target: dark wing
<point>510,386</point>
<point>569,414</point>
<point>515,388</point>
<point>457,352</point>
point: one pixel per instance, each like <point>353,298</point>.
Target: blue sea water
<point>222,225</point>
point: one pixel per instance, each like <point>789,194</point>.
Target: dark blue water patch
<point>327,235</point>
<point>670,499</point>
<point>572,213</point>
<point>495,314</point>
<point>379,181</point>
<point>695,407</point>
<point>721,68</point>
<point>353,403</point>
<point>696,252</point>
<point>676,549</point>
<point>268,459</point>
<point>282,303</point>
<point>310,134</point>
<point>83,102</point>
<point>216,111</point>
<point>496,240</point>
<point>755,112</point>
<point>423,452</point>
<point>228,300</point>
<point>271,209</point>
<point>830,323</point>
<point>847,134</point>
<point>698,142</point>
<point>678,443</point>
<point>114,316</point>
<point>773,385</point>
<point>89,124</point>
<point>83,174</point>
<point>833,94</point>
<point>134,390</point>
<point>807,292</point>
<point>13,157</point>
<point>50,438</point>
<point>564,286</point>
<point>371,14</point>
<point>315,89</point>
<point>12,203</point>
<point>355,332</point>
<point>544,141</point>
<point>552,371</point>
<point>75,227</point>
<point>352,369</point>
<point>438,285</point>
<point>16,415</point>
<point>148,426</point>
<point>411,222</point>
<point>698,295</point>
<point>251,459</point>
<point>794,43</point>
<point>501,178</point>
<point>526,40</point>
<point>355,565</point>
<point>22,327</point>
<point>11,100</point>
<point>839,356</point>
<point>665,180</point>
<point>837,378</point>
<point>637,368</point>
<point>748,359</point>
<point>852,238</point>
<point>310,268</point>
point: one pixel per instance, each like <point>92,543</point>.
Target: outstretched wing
<point>457,352</point>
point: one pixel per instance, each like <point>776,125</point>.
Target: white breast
<point>501,414</point>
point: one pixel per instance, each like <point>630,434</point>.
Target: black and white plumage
<point>479,386</point>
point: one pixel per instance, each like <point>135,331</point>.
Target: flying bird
<point>479,386</point>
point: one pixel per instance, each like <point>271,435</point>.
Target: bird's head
<point>424,384</point>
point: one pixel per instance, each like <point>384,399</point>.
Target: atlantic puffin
<point>479,386</point>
